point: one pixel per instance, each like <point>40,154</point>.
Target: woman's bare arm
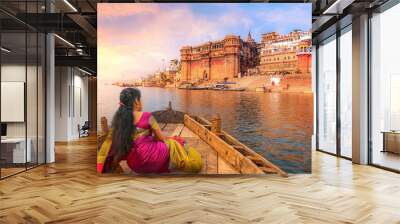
<point>156,129</point>
<point>158,134</point>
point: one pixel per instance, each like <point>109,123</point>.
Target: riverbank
<point>291,84</point>
<point>287,84</point>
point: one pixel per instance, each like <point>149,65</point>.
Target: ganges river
<point>276,125</point>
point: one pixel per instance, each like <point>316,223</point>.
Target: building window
<point>327,95</point>
<point>385,89</point>
<point>346,92</point>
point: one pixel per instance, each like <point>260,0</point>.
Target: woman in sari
<point>137,144</point>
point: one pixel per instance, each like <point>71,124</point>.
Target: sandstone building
<point>285,54</point>
<point>218,60</point>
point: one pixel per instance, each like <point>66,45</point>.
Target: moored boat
<point>190,86</point>
<point>196,88</point>
<point>226,87</point>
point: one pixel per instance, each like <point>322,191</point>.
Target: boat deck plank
<point>186,133</point>
<point>168,129</point>
<point>225,168</point>
<point>207,155</point>
<point>212,163</point>
<point>178,130</point>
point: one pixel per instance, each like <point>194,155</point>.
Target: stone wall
<point>215,61</point>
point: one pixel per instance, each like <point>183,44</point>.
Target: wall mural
<point>204,88</point>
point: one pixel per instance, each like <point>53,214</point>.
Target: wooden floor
<point>386,159</point>
<point>10,171</point>
<point>70,191</point>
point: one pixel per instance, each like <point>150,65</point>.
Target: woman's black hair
<point>123,123</point>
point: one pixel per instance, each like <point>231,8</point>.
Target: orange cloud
<point>111,10</point>
<point>129,50</point>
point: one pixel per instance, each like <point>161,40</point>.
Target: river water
<point>276,125</point>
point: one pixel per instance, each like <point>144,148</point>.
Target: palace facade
<point>285,54</point>
<point>218,60</point>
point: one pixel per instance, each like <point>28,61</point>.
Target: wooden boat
<point>190,86</point>
<point>221,153</point>
<point>226,87</point>
<point>229,89</point>
<point>194,88</point>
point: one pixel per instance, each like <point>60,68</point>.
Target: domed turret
<point>231,41</point>
<point>249,38</point>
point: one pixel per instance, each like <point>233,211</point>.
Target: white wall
<point>34,125</point>
<point>71,94</point>
<point>50,94</point>
<point>80,102</point>
<point>62,81</point>
<point>12,73</point>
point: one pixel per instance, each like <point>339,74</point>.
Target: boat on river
<point>221,152</point>
<point>194,88</point>
<point>190,86</point>
<point>226,87</point>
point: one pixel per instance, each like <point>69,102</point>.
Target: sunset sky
<point>134,39</point>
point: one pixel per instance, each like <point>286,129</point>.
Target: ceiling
<point>75,21</point>
<point>329,15</point>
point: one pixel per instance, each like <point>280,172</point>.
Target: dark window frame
<point>30,30</point>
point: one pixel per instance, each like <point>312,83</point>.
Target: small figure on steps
<point>135,143</point>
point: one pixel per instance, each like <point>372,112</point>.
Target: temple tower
<point>304,57</point>
<point>232,56</point>
<point>185,63</point>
